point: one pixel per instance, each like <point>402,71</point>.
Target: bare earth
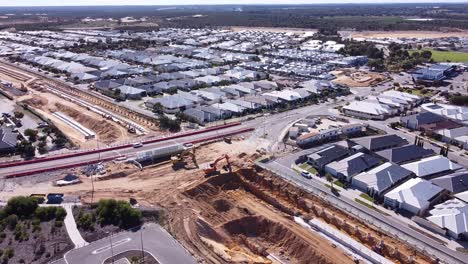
<point>274,29</point>
<point>409,34</point>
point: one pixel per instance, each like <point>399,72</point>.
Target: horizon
<point>104,3</point>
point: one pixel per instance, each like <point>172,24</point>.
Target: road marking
<point>105,248</point>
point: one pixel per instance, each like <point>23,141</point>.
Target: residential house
<point>381,178</point>
<point>405,154</point>
<point>415,196</point>
<point>347,168</point>
<point>326,155</point>
<point>432,166</point>
<point>456,182</point>
<point>378,143</point>
<point>417,121</point>
<point>452,215</point>
<point>368,110</point>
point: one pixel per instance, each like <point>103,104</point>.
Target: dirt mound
<point>36,101</point>
<point>262,234</point>
<point>222,205</point>
<point>107,131</point>
<point>215,185</point>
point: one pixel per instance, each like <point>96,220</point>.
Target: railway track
<point>144,120</point>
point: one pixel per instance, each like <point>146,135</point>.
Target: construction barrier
<point>26,173</point>
<point>19,163</point>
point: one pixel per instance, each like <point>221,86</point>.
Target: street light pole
<point>142,250</point>
<point>112,249</point>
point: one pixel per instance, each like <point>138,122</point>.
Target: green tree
<point>31,134</point>
<point>22,206</point>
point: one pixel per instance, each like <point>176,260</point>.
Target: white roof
<point>287,95</point>
<point>415,192</point>
<point>450,111</point>
<point>431,165</point>
<point>462,196</point>
<point>373,108</point>
<point>452,215</point>
<point>454,133</point>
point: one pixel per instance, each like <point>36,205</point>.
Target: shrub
<point>11,221</point>
<point>21,206</point>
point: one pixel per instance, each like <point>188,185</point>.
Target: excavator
<point>179,159</point>
<point>211,169</point>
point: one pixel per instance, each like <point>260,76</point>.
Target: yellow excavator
<point>180,159</point>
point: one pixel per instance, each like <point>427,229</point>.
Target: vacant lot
<point>452,56</point>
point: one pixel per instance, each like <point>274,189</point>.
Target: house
<point>317,86</point>
<point>415,196</point>
<point>326,155</point>
<point>8,140</point>
<point>456,182</point>
<point>381,178</point>
<point>368,110</point>
<point>378,143</point>
<point>83,77</point>
<point>419,120</point>
<point>130,92</point>
<point>284,95</point>
<point>457,136</point>
<point>452,215</point>
<point>201,116</point>
<point>171,104</point>
<point>432,166</point>
<point>231,108</point>
<point>405,154</point>
<point>459,113</point>
<point>322,135</point>
<point>347,168</point>
<point>106,85</point>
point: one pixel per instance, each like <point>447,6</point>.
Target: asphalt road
<point>156,241</point>
<point>130,151</point>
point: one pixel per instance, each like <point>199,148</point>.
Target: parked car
<point>306,174</point>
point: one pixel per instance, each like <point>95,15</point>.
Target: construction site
<point>109,122</point>
<point>225,209</point>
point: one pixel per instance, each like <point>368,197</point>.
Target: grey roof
<point>106,84</point>
<point>423,118</point>
<point>329,154</point>
<point>7,138</point>
<point>355,164</point>
<point>405,154</point>
<point>456,182</point>
<point>380,142</point>
<point>383,177</point>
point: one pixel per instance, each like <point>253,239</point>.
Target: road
<point>129,151</point>
<point>388,224</point>
<point>156,241</point>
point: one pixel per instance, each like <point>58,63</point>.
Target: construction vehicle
<point>228,140</point>
<point>180,159</point>
<point>211,169</point>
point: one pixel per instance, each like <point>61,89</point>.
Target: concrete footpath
<point>72,229</point>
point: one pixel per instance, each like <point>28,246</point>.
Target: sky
<point>198,2</point>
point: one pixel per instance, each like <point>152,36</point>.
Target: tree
<point>26,149</point>
<point>21,206</point>
<point>31,134</point>
<point>18,114</point>
<point>158,108</point>
<point>329,179</point>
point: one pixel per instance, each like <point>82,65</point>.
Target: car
<point>306,174</point>
<point>121,158</point>
<point>188,145</point>
<point>6,115</point>
<point>138,145</point>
